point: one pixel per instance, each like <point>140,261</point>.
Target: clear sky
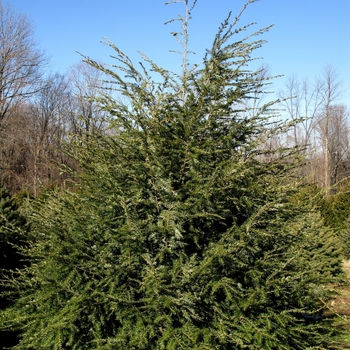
<point>307,34</point>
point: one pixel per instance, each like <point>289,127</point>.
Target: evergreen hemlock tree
<point>12,227</point>
<point>335,210</point>
<point>181,235</point>
<point>12,239</point>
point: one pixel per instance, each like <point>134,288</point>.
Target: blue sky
<point>307,34</point>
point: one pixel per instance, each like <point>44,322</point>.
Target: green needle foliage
<point>183,232</point>
<point>12,225</point>
<point>336,212</point>
<point>13,237</point>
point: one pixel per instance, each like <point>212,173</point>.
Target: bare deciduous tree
<point>330,92</point>
<point>313,106</point>
<point>21,61</point>
<point>302,101</point>
<point>34,138</point>
<point>333,137</point>
<point>86,115</point>
<point>49,127</point>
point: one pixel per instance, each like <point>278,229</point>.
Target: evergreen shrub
<point>182,232</point>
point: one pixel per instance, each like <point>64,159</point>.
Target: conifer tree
<point>13,229</point>
<point>336,213</point>
<point>180,234</point>
<point>13,226</point>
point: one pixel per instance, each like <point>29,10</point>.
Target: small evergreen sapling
<point>180,234</point>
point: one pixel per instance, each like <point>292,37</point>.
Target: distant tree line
<point>40,113</point>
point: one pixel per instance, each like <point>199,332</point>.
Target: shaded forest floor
<point>341,304</point>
